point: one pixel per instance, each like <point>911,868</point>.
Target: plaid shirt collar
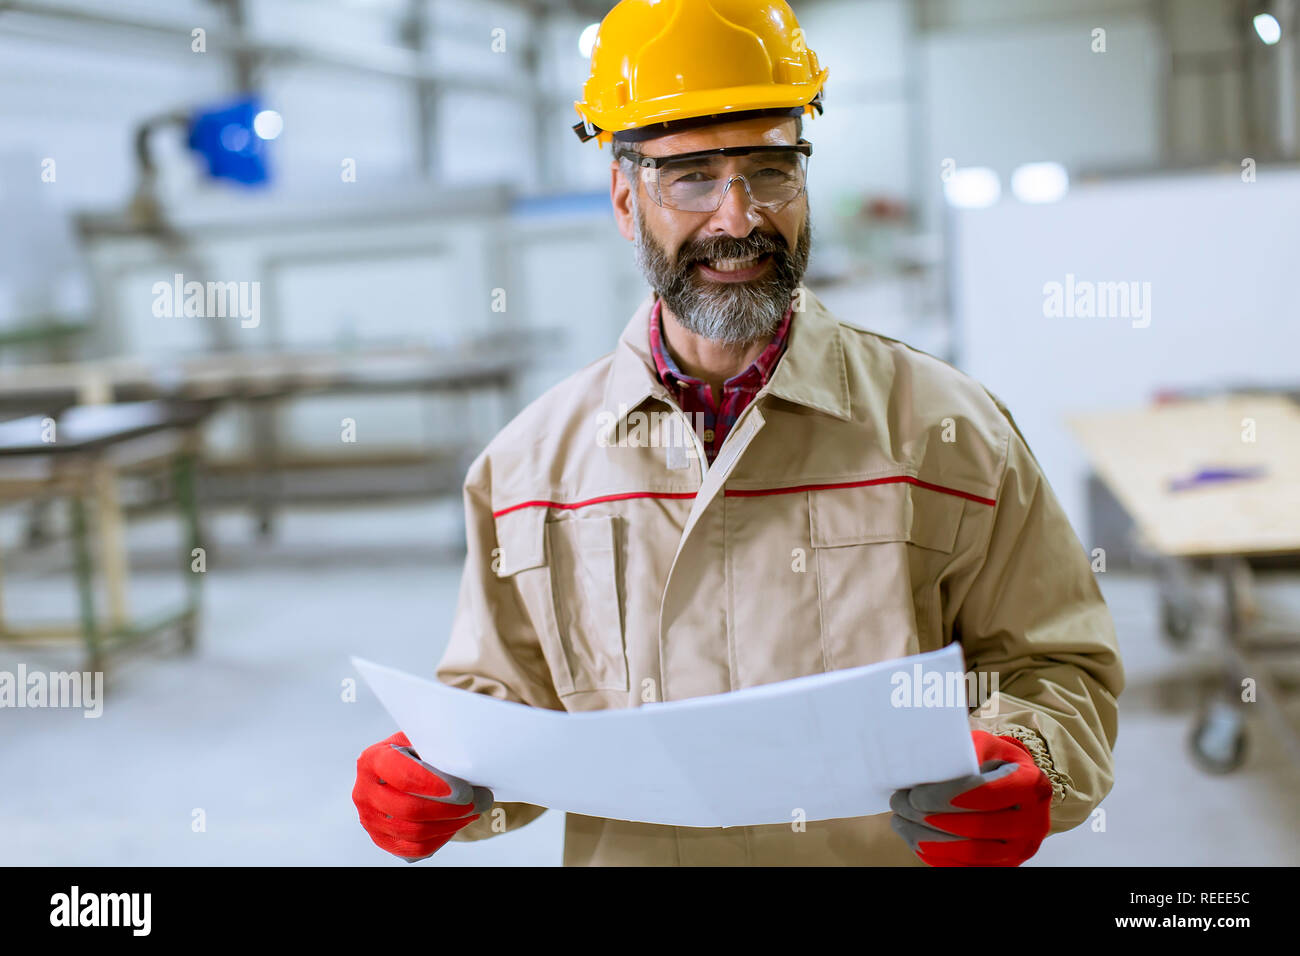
<point>813,372</point>
<point>754,377</point>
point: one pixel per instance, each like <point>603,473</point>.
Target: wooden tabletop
<point>1140,453</point>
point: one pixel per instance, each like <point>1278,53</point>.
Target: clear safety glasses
<point>698,182</point>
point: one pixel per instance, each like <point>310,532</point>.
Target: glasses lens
<point>694,185</point>
<point>697,185</point>
<point>775,177</point>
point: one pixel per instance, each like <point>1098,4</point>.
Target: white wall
<point>861,141</point>
<point>1001,97</point>
<point>1220,257</point>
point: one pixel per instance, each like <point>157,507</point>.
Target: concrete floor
<point>252,728</point>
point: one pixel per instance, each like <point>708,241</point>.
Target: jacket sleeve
<point>493,648</point>
<point>1034,619</point>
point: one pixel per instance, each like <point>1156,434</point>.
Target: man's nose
<point>737,216</point>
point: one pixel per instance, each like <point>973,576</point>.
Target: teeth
<point>732,265</point>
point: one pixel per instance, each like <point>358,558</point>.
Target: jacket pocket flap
<point>586,633</point>
<point>888,511</point>
<point>521,538</point>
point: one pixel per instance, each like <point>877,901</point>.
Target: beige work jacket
<point>870,503</point>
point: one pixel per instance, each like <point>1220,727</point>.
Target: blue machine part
<point>228,139</point>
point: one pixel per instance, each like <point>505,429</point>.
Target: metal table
<point>261,381</point>
<point>79,457</point>
<point>1225,525</point>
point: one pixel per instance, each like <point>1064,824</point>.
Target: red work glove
<point>408,807</point>
<point>995,818</point>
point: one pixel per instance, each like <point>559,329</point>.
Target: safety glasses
<point>698,182</point>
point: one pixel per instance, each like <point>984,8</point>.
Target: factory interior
<point>399,243</point>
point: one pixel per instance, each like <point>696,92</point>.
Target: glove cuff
<point>1032,743</point>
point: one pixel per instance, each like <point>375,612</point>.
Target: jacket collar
<point>812,371</point>
<point>632,376</point>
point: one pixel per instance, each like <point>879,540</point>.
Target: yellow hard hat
<point>657,63</point>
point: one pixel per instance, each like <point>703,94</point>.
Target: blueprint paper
<point>830,745</point>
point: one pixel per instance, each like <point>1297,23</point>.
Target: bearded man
<point>821,497</point>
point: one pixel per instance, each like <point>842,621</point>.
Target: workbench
<point>262,381</point>
<point>79,457</point>
<point>1146,457</point>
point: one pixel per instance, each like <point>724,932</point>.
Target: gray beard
<point>732,313</point>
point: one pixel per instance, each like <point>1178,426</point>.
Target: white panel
<point>380,421</point>
<point>351,301</point>
<point>482,39</point>
<point>79,105</point>
<point>1219,255</point>
<point>486,139</point>
<point>330,116</point>
<point>143,333</point>
<point>161,11</point>
<point>1005,97</point>
<point>858,150</point>
<point>565,68</point>
<point>328,25</point>
<point>862,42</point>
<point>40,248</point>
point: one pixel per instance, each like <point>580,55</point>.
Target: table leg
<point>2,591</point>
<point>1219,737</point>
<point>85,582</point>
<point>266,475</point>
<point>112,541</point>
<point>187,503</point>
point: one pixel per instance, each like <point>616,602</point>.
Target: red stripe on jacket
<point>749,493</point>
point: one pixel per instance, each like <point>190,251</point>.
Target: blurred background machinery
<point>314,253</point>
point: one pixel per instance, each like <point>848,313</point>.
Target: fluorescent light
<point>1040,182</point>
<point>973,187</point>
<point>1269,30</point>
<point>268,124</point>
<point>588,40</point>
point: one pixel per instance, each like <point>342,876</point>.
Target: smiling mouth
<point>735,270</point>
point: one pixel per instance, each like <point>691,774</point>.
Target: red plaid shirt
<point>696,397</point>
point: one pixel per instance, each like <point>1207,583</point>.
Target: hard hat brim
<point>695,104</point>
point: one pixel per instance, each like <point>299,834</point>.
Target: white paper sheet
<point>827,745</point>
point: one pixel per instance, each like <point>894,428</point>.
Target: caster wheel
<point>1218,740</point>
<point>1176,622</point>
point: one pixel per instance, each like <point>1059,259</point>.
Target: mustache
<point>725,312</point>
<point>729,247</point>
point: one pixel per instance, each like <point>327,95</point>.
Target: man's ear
<point>620,197</point>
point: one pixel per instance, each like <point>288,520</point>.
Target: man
<point>747,490</point>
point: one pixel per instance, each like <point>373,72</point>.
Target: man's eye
<point>772,173</point>
<point>696,176</point>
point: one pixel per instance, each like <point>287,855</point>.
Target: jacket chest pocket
<point>880,551</point>
<point>566,572</point>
